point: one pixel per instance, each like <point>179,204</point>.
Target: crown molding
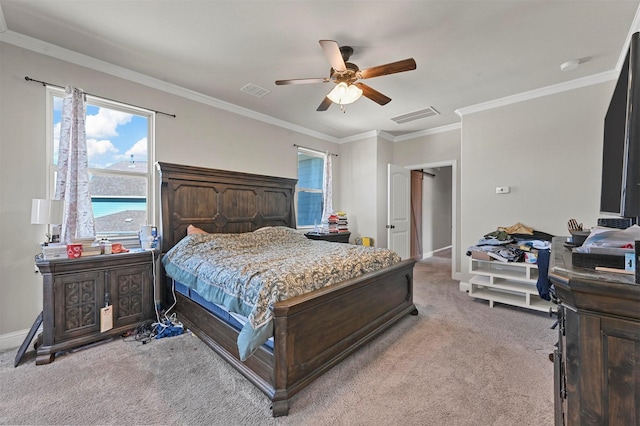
<point>365,135</point>
<point>408,136</point>
<point>3,22</point>
<point>67,55</point>
<point>538,93</point>
<point>386,136</point>
<point>635,27</point>
<point>427,132</point>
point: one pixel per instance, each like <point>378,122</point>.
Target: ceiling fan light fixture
<point>344,94</point>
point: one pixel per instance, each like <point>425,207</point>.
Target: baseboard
<point>457,276</point>
<point>432,253</point>
<point>12,340</point>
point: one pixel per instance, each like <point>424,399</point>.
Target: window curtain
<point>72,182</point>
<point>327,189</point>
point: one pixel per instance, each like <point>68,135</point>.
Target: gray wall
<point>358,171</point>
<point>548,150</point>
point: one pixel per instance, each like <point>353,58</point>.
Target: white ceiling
<point>467,52</point>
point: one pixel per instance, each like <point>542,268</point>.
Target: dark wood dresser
<point>75,291</point>
<point>597,362</point>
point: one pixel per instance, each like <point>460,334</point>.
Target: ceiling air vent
<point>254,90</point>
<point>415,115</point>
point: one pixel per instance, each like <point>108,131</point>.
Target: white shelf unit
<point>511,283</point>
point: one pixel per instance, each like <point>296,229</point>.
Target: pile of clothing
<point>516,243</point>
<point>519,243</point>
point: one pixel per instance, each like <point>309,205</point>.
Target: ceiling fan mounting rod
<point>346,52</point>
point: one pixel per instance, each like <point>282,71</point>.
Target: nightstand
<point>336,237</point>
<point>75,291</point>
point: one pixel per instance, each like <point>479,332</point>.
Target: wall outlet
<point>503,189</point>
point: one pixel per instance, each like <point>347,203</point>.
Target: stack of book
<point>342,222</point>
<point>332,223</point>
<point>90,246</point>
<point>336,223</point>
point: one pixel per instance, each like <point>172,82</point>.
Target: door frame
<point>456,275</point>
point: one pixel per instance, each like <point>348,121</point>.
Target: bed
<point>355,310</point>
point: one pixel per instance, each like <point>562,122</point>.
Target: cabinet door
<point>78,299</point>
<point>607,372</point>
<point>559,373</point>
<point>558,400</point>
<point>571,345</point>
<point>131,294</point>
<point>621,373</point>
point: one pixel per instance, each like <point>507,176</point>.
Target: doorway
<point>434,211</point>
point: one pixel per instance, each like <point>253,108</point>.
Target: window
<point>120,147</point>
<point>310,178</point>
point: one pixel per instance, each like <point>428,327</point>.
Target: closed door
<point>399,210</point>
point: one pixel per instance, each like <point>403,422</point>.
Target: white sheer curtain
<point>72,183</point>
<point>327,189</point>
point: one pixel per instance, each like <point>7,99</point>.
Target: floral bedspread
<point>248,273</point>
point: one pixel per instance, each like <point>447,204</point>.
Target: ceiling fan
<point>346,76</point>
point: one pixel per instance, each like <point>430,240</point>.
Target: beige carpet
<point>458,362</point>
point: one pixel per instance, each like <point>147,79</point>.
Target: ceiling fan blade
<point>326,103</point>
<point>392,68</point>
<point>302,81</point>
<point>332,52</point>
<point>373,94</point>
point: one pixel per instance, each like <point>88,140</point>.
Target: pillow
<point>193,230</point>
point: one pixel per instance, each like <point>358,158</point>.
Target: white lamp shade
<point>343,94</point>
<point>46,212</point>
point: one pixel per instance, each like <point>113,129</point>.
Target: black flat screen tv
<point>620,190</point>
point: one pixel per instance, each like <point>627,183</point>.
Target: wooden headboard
<point>221,201</point>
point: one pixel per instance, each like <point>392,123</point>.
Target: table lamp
<point>47,212</point>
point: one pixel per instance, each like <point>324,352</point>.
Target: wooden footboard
<point>313,332</point>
